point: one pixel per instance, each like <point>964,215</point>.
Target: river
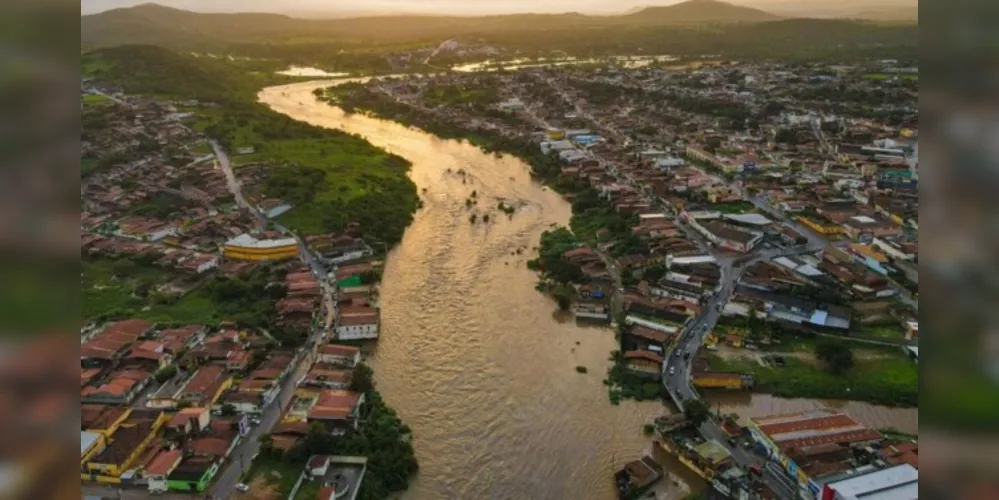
<point>480,365</point>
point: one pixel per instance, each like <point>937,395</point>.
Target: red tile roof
<point>651,356</point>
<point>164,463</point>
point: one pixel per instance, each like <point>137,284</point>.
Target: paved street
<point>242,456</point>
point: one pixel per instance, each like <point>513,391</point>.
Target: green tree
<point>837,357</point>
<point>362,380</point>
<point>697,412</point>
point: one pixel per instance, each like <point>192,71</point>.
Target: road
<point>242,456</point>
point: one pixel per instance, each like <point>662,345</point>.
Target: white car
<point>672,370</point>
<point>242,487</point>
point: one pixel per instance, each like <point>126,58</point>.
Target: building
<point>157,472</point>
<point>718,380</point>
<point>813,444</point>
<point>125,445</point>
<point>246,247</point>
<point>645,364</point>
<point>336,409</point>
<point>900,482</point>
<point>340,355</point>
<point>728,237</point>
<point>357,327</point>
<point>205,386</point>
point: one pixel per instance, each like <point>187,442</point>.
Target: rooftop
<point>894,483</point>
<point>812,428</point>
<point>245,240</point>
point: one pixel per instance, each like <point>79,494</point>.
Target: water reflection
<point>481,365</point>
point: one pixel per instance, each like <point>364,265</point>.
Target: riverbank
<point>593,219</point>
<point>458,300</point>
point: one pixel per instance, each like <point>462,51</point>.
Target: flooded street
<point>479,364</point>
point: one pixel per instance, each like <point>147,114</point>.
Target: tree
<point>837,357</point>
<point>362,380</point>
<point>123,268</point>
<point>697,412</point>
<point>228,410</point>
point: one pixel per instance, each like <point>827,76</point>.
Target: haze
<point>339,8</point>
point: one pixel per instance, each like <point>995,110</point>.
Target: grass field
<point>356,173</point>
<point>104,293</point>
<point>279,474</point>
<point>93,99</point>
<point>885,76</point>
<point>733,208</point>
<point>888,378</point>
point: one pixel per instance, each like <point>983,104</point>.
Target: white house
<point>358,327</point>
<point>343,355</point>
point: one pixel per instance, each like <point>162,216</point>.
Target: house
<point>336,409</point>
<point>205,386</point>
<point>194,473</point>
<point>357,326</point>
<point>318,465</point>
<point>159,469</point>
<point>647,339</point>
<point>645,364</point>
<point>339,355</point>
<point>188,421</point>
<point>128,441</point>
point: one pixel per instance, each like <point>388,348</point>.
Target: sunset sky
<point>465,7</point>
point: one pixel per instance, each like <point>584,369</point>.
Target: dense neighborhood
<point>218,345</point>
<point>742,226</point>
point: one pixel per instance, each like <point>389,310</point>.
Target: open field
<point>880,376</point>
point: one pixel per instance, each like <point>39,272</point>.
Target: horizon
<point>367,8</point>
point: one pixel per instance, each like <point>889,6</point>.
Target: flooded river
<point>479,364</point>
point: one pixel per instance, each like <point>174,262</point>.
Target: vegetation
<point>837,357</point>
<point>581,369</point>
<point>889,378</point>
<point>331,177</point>
<point>550,263</point>
<point>696,411</point>
<point>622,384</point>
<point>363,44</point>
<point>382,437</point>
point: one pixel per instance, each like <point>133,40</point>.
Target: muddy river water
<point>480,365</point>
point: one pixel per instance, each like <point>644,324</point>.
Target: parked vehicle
<point>242,487</point>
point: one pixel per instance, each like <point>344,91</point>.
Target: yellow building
<point>125,445</point>
<point>712,380</point>
<point>823,228</point>
<point>246,247</point>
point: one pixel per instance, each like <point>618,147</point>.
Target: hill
<point>699,12</point>
<point>159,25</point>
<point>361,45</point>
<point>151,70</point>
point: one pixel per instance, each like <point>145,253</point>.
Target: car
<point>672,370</point>
<point>255,421</point>
<point>242,487</point>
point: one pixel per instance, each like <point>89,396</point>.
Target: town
<point>742,226</point>
<point>221,350</point>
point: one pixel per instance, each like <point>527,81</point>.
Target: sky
<point>460,7</point>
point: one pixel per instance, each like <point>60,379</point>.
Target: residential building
<point>645,364</point>
<point>357,327</point>
<point>339,355</point>
<point>205,386</point>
